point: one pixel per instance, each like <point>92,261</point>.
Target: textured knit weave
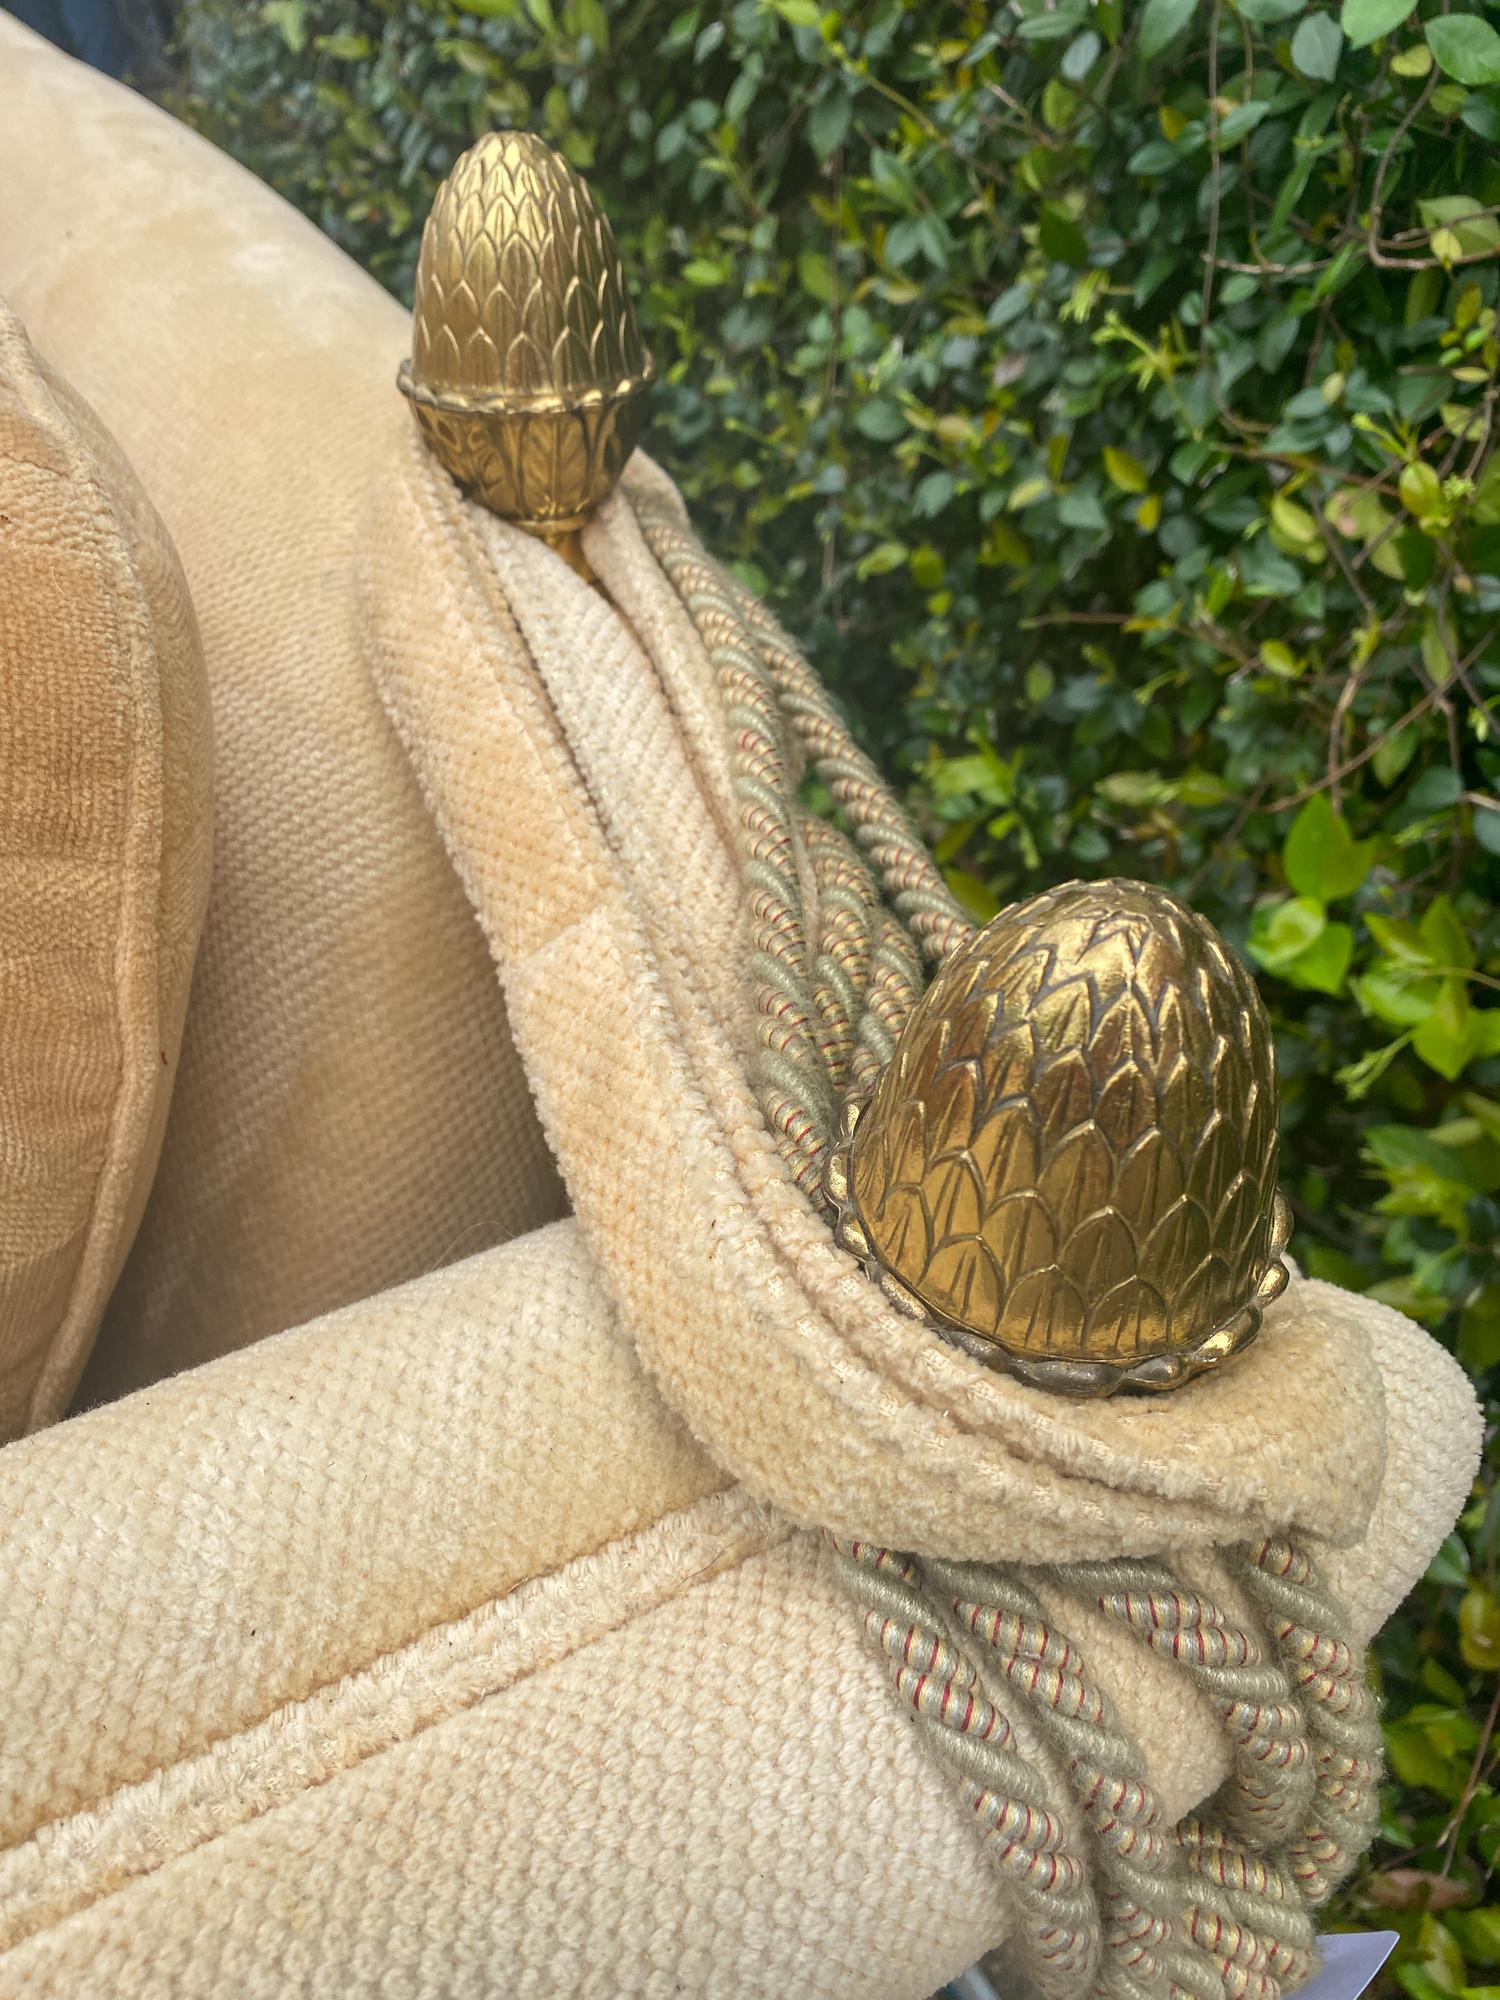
<point>105,804</point>
<point>349,1111</point>
<point>179,1566</point>
<point>670,1766</point>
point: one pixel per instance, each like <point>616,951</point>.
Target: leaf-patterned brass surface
<point>1072,1154</point>
<point>527,366</point>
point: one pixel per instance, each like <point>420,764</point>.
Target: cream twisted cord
<point>1270,1785</point>
<point>1343,1721</point>
<point>912,878</point>
<point>1148,1949</point>
<point>1217,1907</point>
<point>940,1684</point>
<point>1183,1911</point>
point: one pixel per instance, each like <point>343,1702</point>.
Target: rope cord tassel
<point>1271,1781</point>
<point>1144,1902</point>
<point>1342,1717</point>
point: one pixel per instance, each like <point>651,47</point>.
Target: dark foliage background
<point>1107,397</point>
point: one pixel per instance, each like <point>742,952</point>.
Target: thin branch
<point>1476,1769</point>
<point>1216,170</point>
<point>1433,696</point>
<point>1413,112</point>
<point>1353,763</point>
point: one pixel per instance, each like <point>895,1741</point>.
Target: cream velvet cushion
<point>350,1111</point>
<point>105,792</point>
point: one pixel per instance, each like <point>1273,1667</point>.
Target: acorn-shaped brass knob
<point>1069,1165</point>
<point>527,371</point>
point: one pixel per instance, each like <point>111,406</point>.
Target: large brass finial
<point>1069,1165</point>
<point>527,369</point>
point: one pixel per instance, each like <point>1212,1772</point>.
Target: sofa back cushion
<point>351,1111</point>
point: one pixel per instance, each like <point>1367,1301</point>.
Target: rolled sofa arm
<point>421,1651</point>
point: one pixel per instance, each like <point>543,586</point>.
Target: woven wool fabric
<point>669,1765</point>
<point>656,1841</point>
<point>131,1831</point>
<point>177,1566</point>
<point>511,679</point>
<point>105,839</point>
<point>349,1110</point>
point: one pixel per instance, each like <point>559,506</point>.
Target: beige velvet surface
<point>105,840</point>
<point>349,1111</point>
<point>645,1841</point>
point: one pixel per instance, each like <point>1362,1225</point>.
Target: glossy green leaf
<point>1295,940</point>
<point>1443,937</point>
<point>1465,47</point>
<point>828,122</point>
<point>1061,237</point>
<point>1322,858</point>
<point>1364,21</point>
<point>289,19</point>
<point>1161,22</point>
<point>1479,1629</point>
<point>1125,470</point>
<point>1459,225</point>
<point>1316,46</point>
<point>1446,1037</point>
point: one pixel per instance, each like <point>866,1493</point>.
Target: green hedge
<point>1107,396</point>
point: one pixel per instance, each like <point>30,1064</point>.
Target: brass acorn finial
<point>527,371</point>
<point>1069,1165</point>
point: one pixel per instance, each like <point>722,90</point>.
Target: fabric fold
<point>608,894</point>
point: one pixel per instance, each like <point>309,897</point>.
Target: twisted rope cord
<point>792,1075</point>
<point>911,877</point>
<point>1214,1910</point>
<point>846,943</point>
<point>895,988</point>
<point>1271,1779</point>
<point>1247,1908</point>
<point>1342,1717</point>
<point>963,1727</point>
<point>1148,1934</point>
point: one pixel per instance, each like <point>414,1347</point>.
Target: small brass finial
<point>527,369</point>
<point>1069,1165</point>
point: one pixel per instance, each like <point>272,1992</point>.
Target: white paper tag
<point>1351,1960</point>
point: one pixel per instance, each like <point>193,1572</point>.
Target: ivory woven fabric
<point>105,838</point>
<point>349,1111</point>
<point>656,1763</point>
<point>179,1565</point>
<point>609,891</point>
